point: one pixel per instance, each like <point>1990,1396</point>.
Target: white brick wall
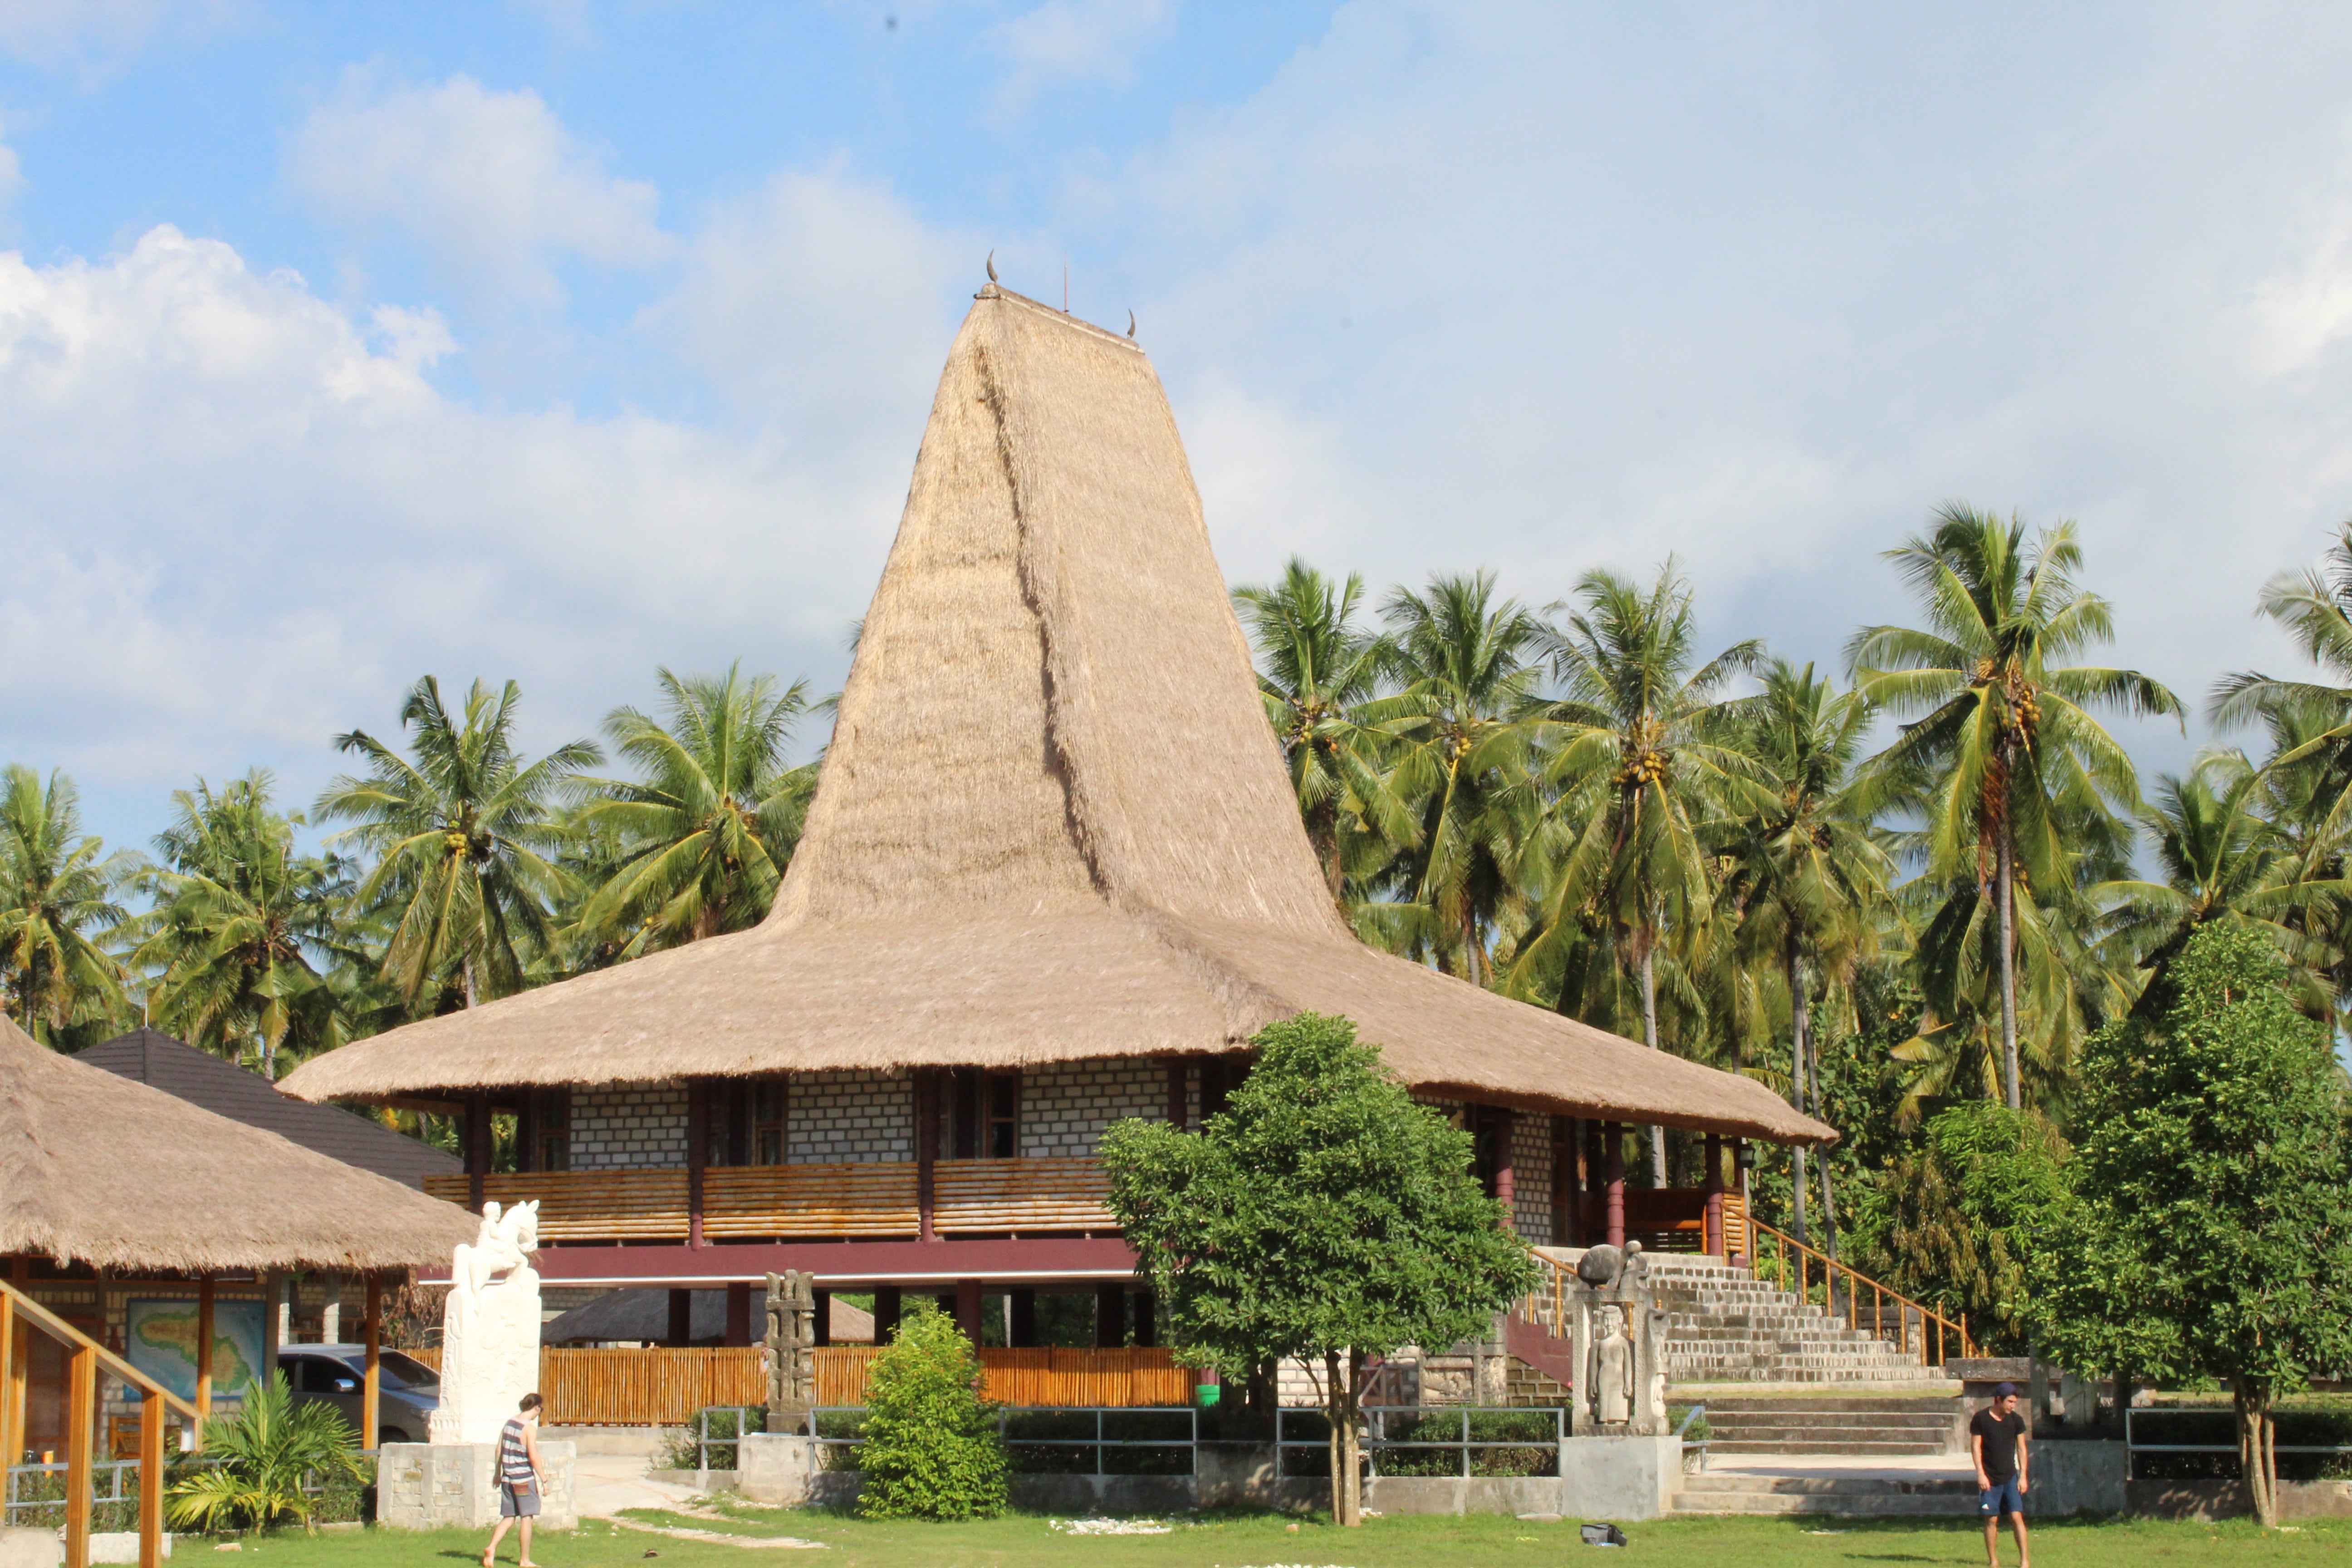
<point>1531,1177</point>
<point>628,1127</point>
<point>849,1116</point>
<point>1065,1107</point>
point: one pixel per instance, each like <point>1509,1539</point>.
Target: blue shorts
<point>2001,1500</point>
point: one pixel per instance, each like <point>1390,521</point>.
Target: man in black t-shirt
<point>1997,1437</point>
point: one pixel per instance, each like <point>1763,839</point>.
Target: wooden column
<point>698,1156</point>
<point>927,1153</point>
<point>12,1388</point>
<point>967,1307</point>
<point>81,1433</point>
<point>739,1313</point>
<point>887,1310</point>
<point>681,1317</point>
<point>372,1379</point>
<point>1176,1097</point>
<point>1565,1232</point>
<point>203,1357</point>
<point>1613,1153</point>
<point>1110,1316</point>
<point>477,1146</point>
<point>1025,1315</point>
<point>151,1478</point>
<point>1713,1231</point>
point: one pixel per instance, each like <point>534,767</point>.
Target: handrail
<point>1831,1268</point>
<point>57,1328</point>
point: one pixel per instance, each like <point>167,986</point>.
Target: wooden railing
<point>866,1201</point>
<point>1914,1326</point>
<point>664,1387</point>
<point>1672,1219</point>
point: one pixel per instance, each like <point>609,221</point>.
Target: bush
<point>931,1448</point>
<point>272,1461</point>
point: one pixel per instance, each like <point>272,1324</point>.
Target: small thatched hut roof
<point>97,1169</point>
<point>1054,823</point>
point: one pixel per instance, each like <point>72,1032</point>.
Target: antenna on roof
<point>1066,288</point>
<point>991,267</point>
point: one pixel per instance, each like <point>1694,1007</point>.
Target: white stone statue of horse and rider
<point>490,1327</point>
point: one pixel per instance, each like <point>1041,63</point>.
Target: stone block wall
<point>1065,1107</point>
<point>628,1127</point>
<point>849,1117</point>
<point>439,1485</point>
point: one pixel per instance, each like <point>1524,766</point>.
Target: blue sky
<point>339,344</point>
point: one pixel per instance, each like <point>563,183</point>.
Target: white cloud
<point>92,33</point>
<point>1073,40</point>
<point>12,174</point>
<point>238,522</point>
<point>491,183</point>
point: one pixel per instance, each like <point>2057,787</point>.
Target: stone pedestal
<point>775,1468</point>
<point>437,1486</point>
<point>1619,1479</point>
<point>29,1548</point>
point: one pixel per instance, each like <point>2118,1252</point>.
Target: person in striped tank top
<point>520,1478</point>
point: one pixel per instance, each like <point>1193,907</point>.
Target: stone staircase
<point>1725,1325</point>
<point>1873,1426</point>
<point>1922,1496</point>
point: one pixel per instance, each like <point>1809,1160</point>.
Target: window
<point>1004,1115</point>
<point>397,1371</point>
<point>982,1117</point>
<point>321,1375</point>
<point>769,1102</point>
<point>552,1110</point>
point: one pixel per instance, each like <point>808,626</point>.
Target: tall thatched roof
<point>97,1169</point>
<point>1053,824</point>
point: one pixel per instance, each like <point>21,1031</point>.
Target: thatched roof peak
<point>1052,823</point>
<point>98,1169</point>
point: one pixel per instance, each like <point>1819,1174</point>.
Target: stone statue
<point>1613,1370</point>
<point>790,1350</point>
<point>490,1327</point>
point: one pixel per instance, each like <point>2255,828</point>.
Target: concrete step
<point>1851,1498</point>
<point>1859,1446</point>
<point>1841,1405</point>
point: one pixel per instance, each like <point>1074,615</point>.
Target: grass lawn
<point>1261,1540</point>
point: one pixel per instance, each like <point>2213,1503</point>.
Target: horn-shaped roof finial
<point>991,267</point>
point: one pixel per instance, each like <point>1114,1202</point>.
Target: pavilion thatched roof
<point>97,1169</point>
<point>1053,824</point>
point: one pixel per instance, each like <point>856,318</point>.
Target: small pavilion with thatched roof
<point>1053,876</point>
<point>131,1222</point>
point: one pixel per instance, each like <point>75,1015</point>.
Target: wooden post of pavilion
<point>204,1360</point>
<point>372,1379</point>
<point>1713,1245</point>
<point>12,1388</point>
<point>151,1478</point>
<point>1613,1153</point>
<point>81,1436</point>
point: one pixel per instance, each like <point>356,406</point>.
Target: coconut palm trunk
<point>1649,1038</point>
<point>2007,875</point>
<point>1798,1076</point>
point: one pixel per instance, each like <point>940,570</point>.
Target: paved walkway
<point>604,1484</point>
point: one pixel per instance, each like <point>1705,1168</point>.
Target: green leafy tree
<point>2002,728</point>
<point>461,828</point>
<point>1317,667</point>
<point>262,1457</point>
<point>240,926</point>
<point>57,893</point>
<point>1806,879</point>
<point>931,1448</point>
<point>2210,1234</point>
<point>1322,1215</point>
<point>1464,726</point>
<point>1642,749</point>
<point>704,838</point>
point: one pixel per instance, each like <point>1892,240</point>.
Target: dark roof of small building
<point>154,1059</point>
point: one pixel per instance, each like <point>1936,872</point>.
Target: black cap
<point>2005,1391</point>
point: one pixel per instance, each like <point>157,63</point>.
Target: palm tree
<point>1641,746</point>
<point>1464,726</point>
<point>1315,668</point>
<point>703,841</point>
<point>2002,728</point>
<point>2314,608</point>
<point>1807,876</point>
<point>58,887</point>
<point>458,834</point>
<point>238,921</point>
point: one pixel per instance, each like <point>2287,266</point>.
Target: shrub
<point>266,1456</point>
<point>931,1448</point>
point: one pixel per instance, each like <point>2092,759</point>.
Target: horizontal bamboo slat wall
<point>664,1387</point>
<point>867,1200</point>
<point>580,1206</point>
<point>1020,1195</point>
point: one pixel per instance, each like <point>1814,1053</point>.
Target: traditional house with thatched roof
<point>160,1233</point>
<point>1053,876</point>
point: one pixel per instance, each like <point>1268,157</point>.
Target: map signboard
<point>161,1340</point>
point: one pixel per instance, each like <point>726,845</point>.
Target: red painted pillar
<point>927,1153</point>
<point>698,1156</point>
<point>1507,1182</point>
<point>967,1307</point>
<point>1715,1194</point>
<point>739,1313</point>
<point>1613,1139</point>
